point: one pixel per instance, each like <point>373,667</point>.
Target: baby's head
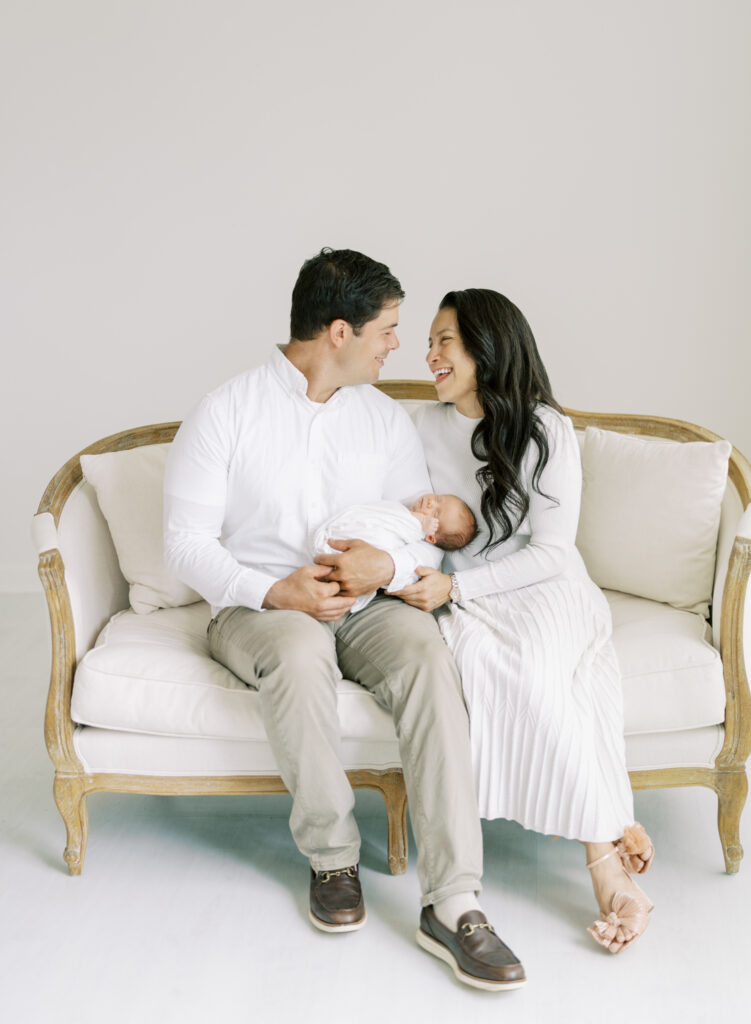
<point>446,521</point>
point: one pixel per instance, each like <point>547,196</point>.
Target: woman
<point>529,630</point>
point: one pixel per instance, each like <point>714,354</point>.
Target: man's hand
<point>359,568</point>
<point>305,590</point>
<point>431,591</point>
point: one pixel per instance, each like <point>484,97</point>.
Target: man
<point>253,471</point>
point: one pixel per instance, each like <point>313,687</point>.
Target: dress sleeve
<point>552,523</point>
<point>195,495</point>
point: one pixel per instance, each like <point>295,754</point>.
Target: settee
<point>136,705</point>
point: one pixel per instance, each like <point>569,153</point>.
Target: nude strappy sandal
<point>635,849</point>
<point>628,917</point>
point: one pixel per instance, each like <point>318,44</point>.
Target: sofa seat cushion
<point>672,675</point>
<point>153,674</point>
<point>130,753</point>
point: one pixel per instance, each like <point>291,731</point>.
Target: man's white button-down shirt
<point>257,467</point>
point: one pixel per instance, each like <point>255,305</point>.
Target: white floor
<point>194,909</point>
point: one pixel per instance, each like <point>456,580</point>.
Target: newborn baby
<point>446,520</point>
<point>440,519</point>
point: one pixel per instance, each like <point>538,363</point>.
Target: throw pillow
<point>650,515</point>
<point>128,487</point>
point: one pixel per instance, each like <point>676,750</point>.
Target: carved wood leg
<point>395,798</point>
<point>732,788</point>
<point>70,797</point>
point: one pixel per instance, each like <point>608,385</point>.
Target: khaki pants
<point>397,653</point>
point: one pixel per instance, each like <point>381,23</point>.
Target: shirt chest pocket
<point>359,479</point>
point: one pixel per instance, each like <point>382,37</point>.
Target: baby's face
<point>427,510</point>
<point>452,513</point>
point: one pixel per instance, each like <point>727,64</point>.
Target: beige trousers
<point>397,653</point>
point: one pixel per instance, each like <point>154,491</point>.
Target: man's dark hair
<point>340,284</point>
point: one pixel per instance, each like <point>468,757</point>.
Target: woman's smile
<point>452,367</point>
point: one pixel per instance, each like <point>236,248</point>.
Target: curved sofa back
<point>85,571</point>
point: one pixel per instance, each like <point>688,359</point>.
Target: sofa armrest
<point>735,647</point>
<point>81,577</point>
<point>58,727</point>
<point>96,587</point>
<point>84,587</point>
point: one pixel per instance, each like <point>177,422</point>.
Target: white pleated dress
<point>532,642</point>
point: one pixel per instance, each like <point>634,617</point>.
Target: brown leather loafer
<point>474,951</point>
<point>336,903</point>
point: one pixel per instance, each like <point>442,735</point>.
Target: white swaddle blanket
<point>385,524</point>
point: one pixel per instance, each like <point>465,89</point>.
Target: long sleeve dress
<point>532,642</point>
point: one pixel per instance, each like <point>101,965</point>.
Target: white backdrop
<point>167,165</point>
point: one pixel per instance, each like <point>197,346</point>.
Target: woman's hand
<point>431,591</point>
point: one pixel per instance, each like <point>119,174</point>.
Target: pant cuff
<point>347,859</point>
<point>443,892</point>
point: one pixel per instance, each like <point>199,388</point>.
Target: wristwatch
<point>455,595</point>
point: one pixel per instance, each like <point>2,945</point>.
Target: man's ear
<point>339,332</point>
<point>430,538</point>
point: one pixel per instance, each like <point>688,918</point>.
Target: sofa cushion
<point>129,487</point>
<point>650,515</point>
<point>672,675</point>
<point>130,753</point>
<point>153,674</point>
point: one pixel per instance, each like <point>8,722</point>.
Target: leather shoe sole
<point>324,926</point>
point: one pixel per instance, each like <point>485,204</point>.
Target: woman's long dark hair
<point>511,381</point>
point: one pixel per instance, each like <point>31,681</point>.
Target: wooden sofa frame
<point>73,784</point>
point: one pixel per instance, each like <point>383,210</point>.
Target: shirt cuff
<point>251,589</point>
<point>404,570</point>
<point>477,582</point>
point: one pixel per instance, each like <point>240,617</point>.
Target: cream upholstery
<point>153,674</point>
<point>116,753</point>
<point>129,487</point>
<point>650,514</point>
<point>162,717</point>
<point>672,675</point>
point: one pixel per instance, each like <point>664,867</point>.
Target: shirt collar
<point>292,380</point>
<point>295,383</point>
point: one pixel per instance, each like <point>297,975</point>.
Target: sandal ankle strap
<point>599,860</point>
